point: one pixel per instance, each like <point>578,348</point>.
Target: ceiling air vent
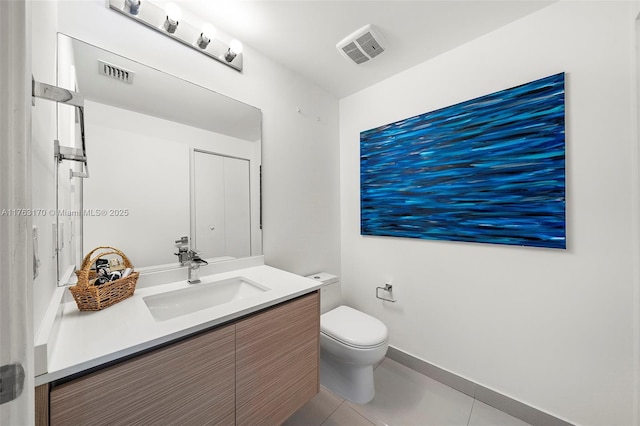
<point>116,72</point>
<point>362,45</point>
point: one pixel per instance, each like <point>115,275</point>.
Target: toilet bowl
<point>351,343</point>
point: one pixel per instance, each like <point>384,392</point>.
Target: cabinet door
<point>42,405</point>
<point>190,382</point>
<point>277,356</point>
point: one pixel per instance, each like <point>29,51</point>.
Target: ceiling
<point>302,34</point>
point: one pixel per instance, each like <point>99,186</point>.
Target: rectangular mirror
<point>166,158</point>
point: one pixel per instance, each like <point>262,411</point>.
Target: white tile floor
<point>403,397</point>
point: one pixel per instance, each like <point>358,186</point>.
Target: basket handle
<point>88,260</point>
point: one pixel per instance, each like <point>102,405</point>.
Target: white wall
<point>551,328</point>
<point>300,154</point>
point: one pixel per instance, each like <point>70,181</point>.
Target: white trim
<point>16,254</point>
<point>635,207</point>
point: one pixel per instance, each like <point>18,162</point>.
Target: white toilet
<point>351,343</point>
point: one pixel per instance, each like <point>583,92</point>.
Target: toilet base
<point>351,382</point>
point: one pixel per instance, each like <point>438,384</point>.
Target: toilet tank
<point>330,292</point>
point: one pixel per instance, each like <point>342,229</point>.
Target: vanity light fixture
<point>169,22</point>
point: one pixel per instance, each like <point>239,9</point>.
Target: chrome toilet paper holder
<point>388,288</point>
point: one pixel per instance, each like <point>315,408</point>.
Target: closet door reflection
<point>222,205</point>
<point>237,207</point>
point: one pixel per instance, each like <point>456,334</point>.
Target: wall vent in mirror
<point>116,72</point>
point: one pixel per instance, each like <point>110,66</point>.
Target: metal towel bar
<point>388,288</point>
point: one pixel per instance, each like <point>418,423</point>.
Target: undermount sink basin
<point>201,296</point>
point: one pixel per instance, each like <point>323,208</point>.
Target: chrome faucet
<point>183,250</point>
<point>194,266</point>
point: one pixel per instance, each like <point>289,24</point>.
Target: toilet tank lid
<point>324,277</point>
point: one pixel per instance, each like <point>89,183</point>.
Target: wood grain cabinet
<point>257,370</point>
<point>190,382</point>
<point>277,355</point>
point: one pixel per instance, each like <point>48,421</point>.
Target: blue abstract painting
<point>488,170</point>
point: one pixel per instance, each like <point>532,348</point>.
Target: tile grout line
<point>473,404</point>
<point>353,406</point>
<point>372,421</point>
<point>331,414</point>
<point>362,415</point>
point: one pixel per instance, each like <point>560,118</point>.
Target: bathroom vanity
<point>248,361</point>
<point>242,346</point>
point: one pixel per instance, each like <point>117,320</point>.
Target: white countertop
<point>88,339</point>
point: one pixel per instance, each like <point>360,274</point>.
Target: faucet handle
<point>182,241</point>
<point>194,255</point>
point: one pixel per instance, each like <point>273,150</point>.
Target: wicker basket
<point>90,297</point>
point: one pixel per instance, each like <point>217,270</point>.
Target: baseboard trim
<point>488,396</point>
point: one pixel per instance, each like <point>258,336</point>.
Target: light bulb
<point>208,33</point>
<point>174,14</point>
<point>235,46</point>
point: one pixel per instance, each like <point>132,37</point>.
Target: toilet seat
<point>353,328</point>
